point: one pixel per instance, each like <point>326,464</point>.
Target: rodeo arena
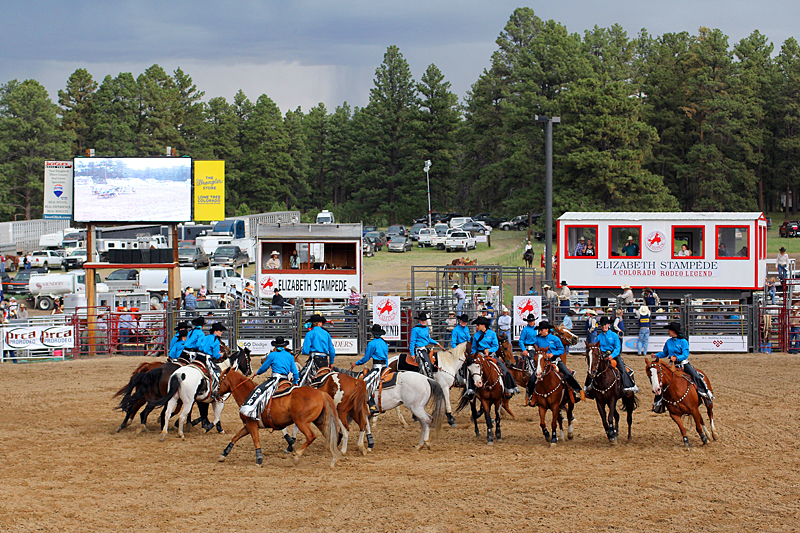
<point>644,384</point>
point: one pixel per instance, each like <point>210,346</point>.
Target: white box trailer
<point>707,255</point>
<point>329,260</point>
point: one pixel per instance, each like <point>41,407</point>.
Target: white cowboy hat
<point>546,286</point>
<point>590,312</point>
<point>660,310</point>
<point>505,309</point>
<point>630,237</point>
<point>644,310</point>
<point>275,252</point>
<point>625,287</point>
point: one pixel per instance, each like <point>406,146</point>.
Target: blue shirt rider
<point>210,346</point>
<point>485,341</point>
<point>318,342</point>
<point>611,347</point>
<point>418,342</point>
<point>378,351</point>
<point>554,346</point>
<point>178,341</point>
<point>196,335</point>
<point>460,333</point>
<point>280,361</point>
<point>677,350</point>
<point>527,337</point>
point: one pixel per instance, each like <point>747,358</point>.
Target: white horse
<point>187,384</point>
<point>415,391</point>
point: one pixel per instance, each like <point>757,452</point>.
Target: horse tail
<point>174,386</point>
<point>330,427</point>
<point>462,403</point>
<point>630,403</point>
<point>129,398</point>
<point>439,405</point>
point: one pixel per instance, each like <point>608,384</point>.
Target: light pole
<point>548,224</point>
<point>428,179</point>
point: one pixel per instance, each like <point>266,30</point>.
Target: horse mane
<point>451,356</point>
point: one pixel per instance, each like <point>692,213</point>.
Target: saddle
<point>201,367</point>
<point>321,378</point>
<point>322,372</point>
<point>411,360</point>
<point>283,389</point>
<point>388,380</point>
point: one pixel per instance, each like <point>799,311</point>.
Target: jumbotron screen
<point>121,189</point>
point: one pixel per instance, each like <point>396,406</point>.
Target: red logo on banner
<point>526,306</point>
<point>268,283</point>
<point>387,313</point>
<point>655,241</point>
<point>717,343</point>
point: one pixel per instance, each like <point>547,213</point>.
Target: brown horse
<point>489,384</point>
<point>515,365</point>
<point>679,393</point>
<point>550,394</point>
<point>607,389</point>
<point>302,407</point>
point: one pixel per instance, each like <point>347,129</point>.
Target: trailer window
<point>733,242</point>
<point>581,241</point>
<point>625,241</point>
<point>310,256</point>
<point>687,241</point>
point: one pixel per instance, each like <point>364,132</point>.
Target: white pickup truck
<point>459,240</point>
<point>425,237</point>
<point>46,259</point>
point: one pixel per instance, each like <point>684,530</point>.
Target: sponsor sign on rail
<point>523,305</point>
<point>38,337</point>
<point>386,313</point>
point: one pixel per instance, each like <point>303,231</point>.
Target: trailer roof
<point>309,231</point>
<point>632,216</point>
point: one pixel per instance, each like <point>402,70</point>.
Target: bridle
<point>481,360</point>
<point>549,367</point>
<point>595,352</point>
<point>664,388</point>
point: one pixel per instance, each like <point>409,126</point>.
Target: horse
<point>567,339</point>
<point>680,396</point>
<point>455,262</point>
<point>350,399</point>
<point>488,379</point>
<point>302,406</point>
<point>550,394</point>
<point>528,258</point>
<point>516,366</point>
<point>607,387</point>
<point>128,390</point>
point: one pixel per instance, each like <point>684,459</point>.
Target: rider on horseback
<point>527,338</point>
<point>283,368</point>
<point>210,354</point>
<point>460,333</point>
<point>611,347</point>
<point>545,339</point>
<point>418,343</point>
<point>485,340</point>
<point>677,350</point>
<point>195,338</point>
<point>178,342</point>
<point>378,351</point>
<point>318,345</point>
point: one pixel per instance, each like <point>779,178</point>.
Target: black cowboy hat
<point>530,317</point>
<point>423,315</point>
<point>674,326</point>
<point>216,326</point>
<point>482,320</point>
<point>199,321</point>
<point>463,317</point>
<point>544,324</point>
<point>603,321</point>
<point>377,330</point>
<point>182,325</point>
<point>455,286</point>
<point>317,318</point>
<point>563,283</point>
<point>280,341</point>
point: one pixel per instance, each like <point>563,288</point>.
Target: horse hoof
<point>119,429</point>
<point>552,444</point>
<point>141,429</point>
<point>162,437</point>
<point>221,459</point>
<point>452,424</point>
<point>489,442</point>
<point>363,451</point>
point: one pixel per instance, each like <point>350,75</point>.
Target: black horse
<point>607,389</point>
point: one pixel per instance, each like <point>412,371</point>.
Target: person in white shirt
<point>783,264</point>
<point>564,296</point>
<point>273,263</point>
<point>504,323</point>
<point>549,293</point>
<point>684,251</point>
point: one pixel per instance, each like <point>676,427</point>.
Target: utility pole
<point>548,225</point>
<point>428,179</point>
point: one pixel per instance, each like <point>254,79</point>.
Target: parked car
<point>75,259</point>
<point>367,248</point>
<point>435,217</point>
<point>539,236</point>
<point>377,238</point>
<point>192,255</point>
<point>475,228</point>
<point>425,237</point>
<point>459,221</point>
<point>400,244</point>
<point>230,255</point>
<point>206,303</point>
<point>396,230</point>
<point>46,259</point>
<point>519,223</point>
<point>448,216</point>
<point>123,274</point>
<point>488,219</point>
<point>19,283</point>
<point>413,232</point>
<point>459,240</point>
<point>367,229</point>
<point>788,227</point>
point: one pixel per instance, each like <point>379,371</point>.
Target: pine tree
<point>77,108</point>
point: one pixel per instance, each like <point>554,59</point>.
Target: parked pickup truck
<point>459,240</point>
<point>442,231</point>
<point>46,259</point>
<point>425,237</point>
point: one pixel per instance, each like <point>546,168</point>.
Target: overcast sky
<point>303,52</point>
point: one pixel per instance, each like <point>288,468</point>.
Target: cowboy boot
<point>588,391</point>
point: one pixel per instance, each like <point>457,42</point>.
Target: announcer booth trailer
<point>328,260</point>
<point>705,255</point>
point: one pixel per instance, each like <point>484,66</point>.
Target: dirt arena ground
<point>65,469</point>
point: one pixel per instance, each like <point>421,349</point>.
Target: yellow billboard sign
<point>209,190</point>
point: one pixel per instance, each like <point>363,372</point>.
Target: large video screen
<point>121,189</point>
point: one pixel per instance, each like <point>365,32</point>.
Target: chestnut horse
<point>302,407</point>
<point>488,381</point>
<point>550,394</point>
<point>517,366</point>
<point>679,393</point>
<point>607,389</point>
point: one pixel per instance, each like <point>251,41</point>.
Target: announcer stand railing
<point>15,355</point>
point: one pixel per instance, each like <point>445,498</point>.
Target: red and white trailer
<point>707,255</point>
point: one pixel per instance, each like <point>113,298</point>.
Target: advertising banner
<point>345,346</point>
<point>259,346</point>
<point>319,285</point>
<point>523,305</point>
<point>58,190</point>
<point>38,337</point>
<point>209,190</point>
<point>386,313</point>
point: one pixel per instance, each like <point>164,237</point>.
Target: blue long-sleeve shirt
<point>210,345</point>
<point>194,339</point>
<point>551,342</point>
<point>459,335</point>
<point>609,342</point>
<point>675,347</point>
<point>281,362</point>
<point>190,301</point>
<point>377,350</point>
<point>420,337</point>
<point>318,340</point>
<point>176,347</point>
<point>527,337</point>
<point>486,340</point>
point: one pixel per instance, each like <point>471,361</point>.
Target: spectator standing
<point>273,263</point>
<point>23,312</point>
<point>580,248</point>
<point>589,251</point>
<point>591,326</point>
<point>190,302</point>
<point>355,298</point>
<point>684,251</point>
<point>203,291</point>
<point>460,296</point>
<point>567,323</point>
<point>504,323</point>
<point>549,293</point>
<point>794,331</point>
<point>277,300</point>
<point>451,322</point>
<point>783,264</point>
<point>564,296</point>
<point>2,263</point>
<point>770,289</point>
<point>650,298</point>
<point>626,298</point>
<point>294,260</point>
<point>630,249</point>
<point>126,326</point>
<point>619,323</point>
<point>722,251</point>
<point>643,316</point>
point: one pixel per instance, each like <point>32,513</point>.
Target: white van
<point>325,217</point>
<point>457,222</point>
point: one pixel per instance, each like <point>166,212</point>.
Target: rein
<point>664,389</point>
<point>483,361</point>
<point>559,383</point>
<point>595,375</point>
